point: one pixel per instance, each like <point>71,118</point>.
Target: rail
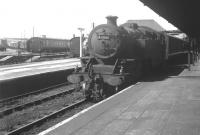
<point>36,102</point>
<point>44,119</point>
<point>11,99</point>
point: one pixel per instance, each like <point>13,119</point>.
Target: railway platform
<point>164,106</point>
<point>21,70</point>
<point>24,78</point>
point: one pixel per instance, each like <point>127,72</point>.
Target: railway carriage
<point>74,46</point>
<point>37,44</point>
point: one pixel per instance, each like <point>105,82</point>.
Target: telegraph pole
<point>33,31</point>
<point>81,42</point>
<point>93,25</point>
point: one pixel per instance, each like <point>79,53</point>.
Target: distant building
<point>16,43</point>
<point>148,23</point>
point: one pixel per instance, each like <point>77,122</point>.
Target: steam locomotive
<point>121,54</point>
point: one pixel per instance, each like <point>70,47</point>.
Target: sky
<point>62,18</point>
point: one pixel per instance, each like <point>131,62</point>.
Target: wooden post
<point>189,60</point>
<point>195,50</point>
<point>197,39</point>
<point>194,59</point>
<point>189,48</point>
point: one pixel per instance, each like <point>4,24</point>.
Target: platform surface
<point>20,70</point>
<point>170,106</point>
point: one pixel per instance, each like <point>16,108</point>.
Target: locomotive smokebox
<point>112,20</point>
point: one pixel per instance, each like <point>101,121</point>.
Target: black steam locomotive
<point>120,54</point>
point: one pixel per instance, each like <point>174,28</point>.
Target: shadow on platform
<point>162,74</point>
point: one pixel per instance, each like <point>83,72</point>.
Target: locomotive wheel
<point>98,93</point>
<point>95,93</point>
<point>102,94</point>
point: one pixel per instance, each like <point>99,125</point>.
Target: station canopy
<point>183,14</point>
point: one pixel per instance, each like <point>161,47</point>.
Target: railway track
<point>13,118</point>
<point>46,118</point>
<point>32,103</point>
<point>13,102</point>
<point>13,99</point>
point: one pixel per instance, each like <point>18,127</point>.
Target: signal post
<point>81,42</point>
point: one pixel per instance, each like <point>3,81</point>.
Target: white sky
<point>61,18</point>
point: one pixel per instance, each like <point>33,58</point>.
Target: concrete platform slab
<point>160,107</point>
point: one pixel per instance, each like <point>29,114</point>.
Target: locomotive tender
<point>120,54</point>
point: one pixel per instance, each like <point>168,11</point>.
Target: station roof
<point>149,23</point>
<point>184,14</point>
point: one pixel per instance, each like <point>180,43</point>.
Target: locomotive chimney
<point>112,20</point>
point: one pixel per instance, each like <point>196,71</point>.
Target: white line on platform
<point>14,71</point>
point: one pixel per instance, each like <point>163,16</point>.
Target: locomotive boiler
<point>118,54</point>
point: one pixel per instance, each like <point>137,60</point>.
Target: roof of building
<point>148,23</point>
<point>183,14</point>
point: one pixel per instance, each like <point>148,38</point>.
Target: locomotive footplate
<point>98,86</point>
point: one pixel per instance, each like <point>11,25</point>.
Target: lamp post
<point>81,51</point>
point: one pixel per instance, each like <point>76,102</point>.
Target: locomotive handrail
<point>176,53</point>
<point>116,63</point>
<point>130,60</point>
